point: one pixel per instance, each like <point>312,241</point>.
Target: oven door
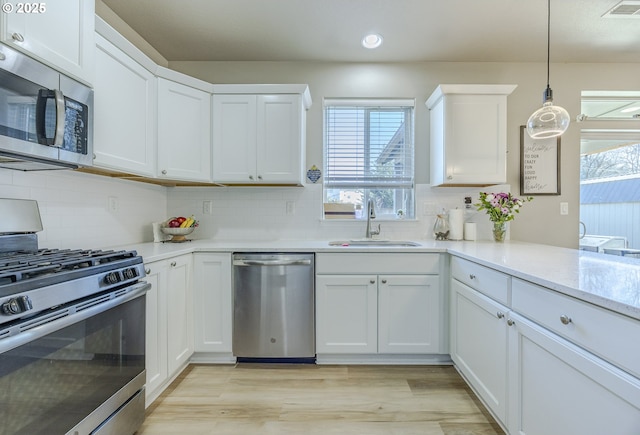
<point>70,375</point>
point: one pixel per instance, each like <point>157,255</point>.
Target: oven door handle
<point>52,322</point>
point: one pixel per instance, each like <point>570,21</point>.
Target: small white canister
<point>470,229</point>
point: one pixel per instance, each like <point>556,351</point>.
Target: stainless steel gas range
<point>72,335</point>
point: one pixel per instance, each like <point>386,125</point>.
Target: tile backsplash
<point>247,213</point>
<point>89,211</point>
<point>85,211</point>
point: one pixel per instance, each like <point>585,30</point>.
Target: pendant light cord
<point>548,39</point>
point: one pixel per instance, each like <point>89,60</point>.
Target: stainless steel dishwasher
<point>274,307</point>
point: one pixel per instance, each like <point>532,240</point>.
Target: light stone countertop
<point>607,281</point>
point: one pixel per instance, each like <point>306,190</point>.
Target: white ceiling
<point>413,30</point>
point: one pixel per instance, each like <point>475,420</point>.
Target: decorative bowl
<point>178,234</point>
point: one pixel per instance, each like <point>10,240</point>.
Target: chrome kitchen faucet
<point>371,214</point>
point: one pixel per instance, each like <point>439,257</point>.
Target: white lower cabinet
<point>361,313</point>
<point>346,314</point>
<point>534,381</point>
<point>559,388</point>
<point>169,321</point>
<point>409,314</point>
<point>479,344</point>
<point>212,305</point>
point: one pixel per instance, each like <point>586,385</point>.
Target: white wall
<point>74,207</point>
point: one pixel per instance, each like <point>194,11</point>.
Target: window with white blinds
<point>369,154</point>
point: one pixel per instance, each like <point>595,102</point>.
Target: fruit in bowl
<point>179,227</point>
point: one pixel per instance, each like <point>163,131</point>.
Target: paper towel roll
<point>456,224</point>
<point>470,229</point>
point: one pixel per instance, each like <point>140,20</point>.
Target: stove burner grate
<point>20,266</point>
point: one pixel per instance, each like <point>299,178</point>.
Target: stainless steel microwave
<point>46,118</point>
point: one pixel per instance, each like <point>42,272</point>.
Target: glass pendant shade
<point>548,121</point>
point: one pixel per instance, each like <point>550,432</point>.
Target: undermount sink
<point>372,242</point>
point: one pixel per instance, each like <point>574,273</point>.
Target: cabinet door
<point>557,387</point>
<point>409,313</point>
<point>280,138</point>
<point>212,307</point>
<point>125,96</point>
<point>62,35</point>
<point>184,132</point>
<point>346,314</point>
<point>479,345</point>
<point>234,138</point>
<point>180,312</point>
<point>475,142</point>
<point>156,329</point>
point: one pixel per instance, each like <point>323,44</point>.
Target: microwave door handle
<point>58,139</point>
<point>41,109</point>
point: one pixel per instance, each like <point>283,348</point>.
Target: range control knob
<point>17,305</point>
<point>130,273</point>
<point>112,278</point>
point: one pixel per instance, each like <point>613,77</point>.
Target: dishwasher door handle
<point>304,262</point>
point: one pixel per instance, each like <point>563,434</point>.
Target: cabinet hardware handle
<point>259,177</point>
<point>250,177</point>
<point>510,322</point>
<point>17,37</point>
<point>500,315</point>
<point>472,276</point>
<point>384,281</point>
<point>565,319</point>
<point>147,271</point>
<point>173,264</point>
<point>373,281</point>
<point>450,177</point>
<point>164,172</point>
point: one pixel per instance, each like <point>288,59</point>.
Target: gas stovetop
<point>39,280</point>
<point>20,266</point>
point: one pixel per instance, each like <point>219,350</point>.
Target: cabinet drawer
<point>609,335</point>
<point>487,281</point>
<point>377,263</point>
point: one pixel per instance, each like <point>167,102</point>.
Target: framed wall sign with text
<point>539,165</point>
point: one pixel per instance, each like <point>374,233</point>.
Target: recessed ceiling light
<point>372,40</point>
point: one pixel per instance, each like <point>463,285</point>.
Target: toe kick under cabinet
<point>380,307</point>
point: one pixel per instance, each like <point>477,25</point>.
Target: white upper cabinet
<point>259,138</point>
<point>125,99</point>
<point>468,138</point>
<point>184,132</point>
<point>59,33</point>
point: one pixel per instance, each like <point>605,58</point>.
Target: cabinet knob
<point>384,281</point>
<point>472,276</point>
<point>17,37</point>
<point>173,264</point>
<point>450,177</point>
<point>510,322</point>
<point>164,172</point>
<point>2,56</point>
<point>147,271</point>
<point>565,319</point>
<point>259,177</point>
<point>373,281</point>
<point>500,315</point>
<point>250,177</point>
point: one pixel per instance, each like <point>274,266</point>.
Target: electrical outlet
<point>564,208</point>
<point>207,207</point>
<point>112,204</point>
<point>291,208</point>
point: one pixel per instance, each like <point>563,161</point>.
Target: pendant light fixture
<point>549,120</point>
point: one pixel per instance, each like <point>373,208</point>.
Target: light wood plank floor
<point>308,399</point>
